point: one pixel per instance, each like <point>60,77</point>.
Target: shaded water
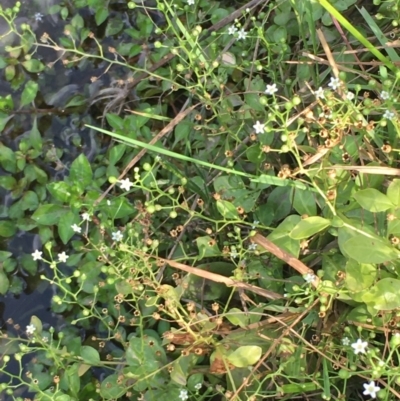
<point>64,138</point>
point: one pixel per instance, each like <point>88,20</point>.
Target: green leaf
<point>245,356</point>
<point>359,276</point>
<point>237,317</point>
<point>29,201</point>
<point>33,65</point>
<point>29,92</point>
<point>369,250</point>
<point>111,388</point>
<point>74,382</point>
<point>101,15</point>
<point>118,209</point>
<point>3,62</point>
<point>4,283</point>
<point>35,137</point>
<point>179,374</point>
<point>384,295</point>
<point>304,203</point>
<point>90,355</point>
<point>4,255</point>
<point>373,200</point>
<point>77,21</point>
<point>7,159</point>
<point>114,26</point>
<point>252,100</point>
<point>7,182</point>
<point>227,209</point>
<point>28,264</point>
<point>35,321</point>
<point>116,152</point>
<point>7,229</point>
<point>280,236</point>
<point>309,226</point>
<point>81,171</point>
<point>10,72</point>
<point>60,190</point>
<point>64,226</point>
<point>279,203</point>
<point>393,192</point>
<point>49,214</point>
<point>207,247</point>
<point>6,103</point>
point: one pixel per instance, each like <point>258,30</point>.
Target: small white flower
<point>108,202</point>
<point>76,228</point>
<point>258,127</point>
<point>359,346</point>
<point>335,83</point>
<point>232,30</point>
<point>242,34</point>
<point>255,222</point>
<point>85,216</point>
<point>45,339</point>
<point>38,17</point>
<point>388,114</point>
<point>346,341</point>
<point>233,253</point>
<point>126,184</point>
<point>37,255</point>
<point>30,329</point>
<point>385,95</point>
<point>183,395</point>
<point>309,278</point>
<point>350,95</point>
<point>62,257</point>
<point>271,89</point>
<point>190,2</point>
<point>117,236</point>
<point>371,389</point>
<point>319,93</point>
<point>252,246</point>
<point>198,386</point>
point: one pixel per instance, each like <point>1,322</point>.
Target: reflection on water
<point>64,139</point>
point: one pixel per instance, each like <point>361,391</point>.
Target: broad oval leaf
<point>309,226</point>
<point>369,250</point>
<point>7,229</point>
<point>359,276</point>
<point>304,203</point>
<point>81,171</point>
<point>384,295</point>
<point>29,92</point>
<point>48,215</point>
<point>393,192</point>
<point>35,321</point>
<point>237,317</point>
<point>4,283</point>
<point>207,247</point>
<point>245,356</point>
<point>90,355</point>
<point>227,209</point>
<point>65,223</point>
<point>33,65</point>
<point>372,200</point>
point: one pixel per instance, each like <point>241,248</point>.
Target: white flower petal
<point>37,255</point>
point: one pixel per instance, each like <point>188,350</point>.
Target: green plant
<point>218,210</point>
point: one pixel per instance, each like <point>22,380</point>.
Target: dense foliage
<point>209,189</point>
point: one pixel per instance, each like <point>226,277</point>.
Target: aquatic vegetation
<point>209,193</point>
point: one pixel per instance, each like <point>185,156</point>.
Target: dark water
<point>60,130</point>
